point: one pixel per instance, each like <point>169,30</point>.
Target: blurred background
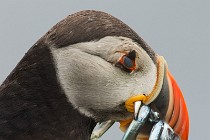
<point>178,30</point>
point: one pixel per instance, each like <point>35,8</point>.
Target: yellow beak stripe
<point>129,104</point>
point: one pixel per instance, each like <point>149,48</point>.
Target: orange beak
<point>179,119</point>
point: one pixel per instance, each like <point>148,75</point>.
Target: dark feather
<point>33,106</point>
<point>92,25</point>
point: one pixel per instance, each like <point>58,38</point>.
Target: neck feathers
<point>33,105</point>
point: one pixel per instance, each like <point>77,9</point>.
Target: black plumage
<point>33,106</point>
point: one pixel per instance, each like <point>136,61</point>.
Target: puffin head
<point>79,73</point>
<point>100,62</point>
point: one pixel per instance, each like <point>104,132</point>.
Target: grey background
<point>178,30</point>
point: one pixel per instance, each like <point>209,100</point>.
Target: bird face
<point>99,76</point>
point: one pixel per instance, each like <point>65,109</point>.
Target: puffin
<point>83,71</point>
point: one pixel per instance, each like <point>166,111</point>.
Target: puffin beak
<point>167,99</point>
<point>178,119</point>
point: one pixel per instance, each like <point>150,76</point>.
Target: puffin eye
<point>127,62</point>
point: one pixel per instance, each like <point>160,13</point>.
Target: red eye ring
<point>127,63</point>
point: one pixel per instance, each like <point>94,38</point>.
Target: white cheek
<point>90,82</point>
<point>144,82</point>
